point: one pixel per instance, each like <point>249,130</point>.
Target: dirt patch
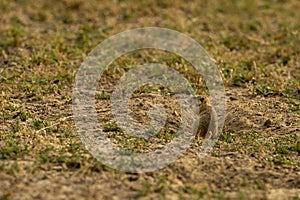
<point>241,165</point>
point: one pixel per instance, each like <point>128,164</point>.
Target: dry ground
<point>256,47</point>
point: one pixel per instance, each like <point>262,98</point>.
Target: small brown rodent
<point>208,116</point>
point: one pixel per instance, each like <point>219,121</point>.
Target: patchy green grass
<point>255,44</point>
<point>281,148</point>
<point>103,96</point>
<point>112,127</point>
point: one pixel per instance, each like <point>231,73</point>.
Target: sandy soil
<point>241,168</point>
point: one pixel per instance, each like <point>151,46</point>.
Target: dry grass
<point>254,43</point>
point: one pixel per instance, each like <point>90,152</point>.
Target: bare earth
<point>231,168</point>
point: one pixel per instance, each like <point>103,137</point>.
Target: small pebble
<point>233,98</point>
<point>268,123</point>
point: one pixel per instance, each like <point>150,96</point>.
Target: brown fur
<point>208,116</point>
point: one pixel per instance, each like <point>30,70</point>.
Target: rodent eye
<point>201,99</point>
